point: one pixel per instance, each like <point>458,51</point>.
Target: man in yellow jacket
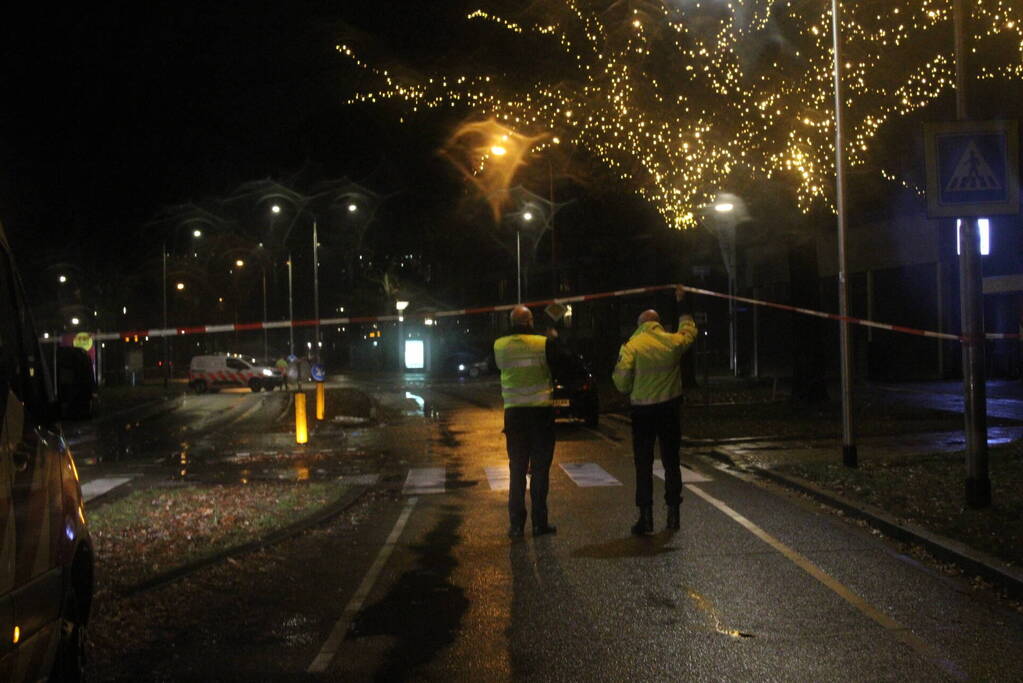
<point>648,371</point>
<point>526,360</point>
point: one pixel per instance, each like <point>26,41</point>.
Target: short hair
<point>520,315</point>
<point>649,315</point>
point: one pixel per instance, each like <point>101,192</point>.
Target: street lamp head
<point>275,208</point>
<point>197,233</point>
<point>401,305</point>
<point>527,216</point>
<point>62,279</point>
<point>75,321</point>
<point>352,208</point>
<point>239,263</point>
<point>180,286</point>
<point>724,207</point>
<point>498,150</point>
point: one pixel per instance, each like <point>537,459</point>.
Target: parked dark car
<point>575,392</point>
<point>469,363</point>
<point>46,566</point>
<point>75,396</point>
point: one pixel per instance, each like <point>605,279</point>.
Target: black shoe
<point>645,524</point>
<point>515,532</point>
<point>673,518</point>
<point>543,529</point>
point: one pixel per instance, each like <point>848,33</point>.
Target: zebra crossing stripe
<point>588,474</point>
<point>688,476</point>
<point>423,480</point>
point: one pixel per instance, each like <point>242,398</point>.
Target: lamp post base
<point>978,492</point>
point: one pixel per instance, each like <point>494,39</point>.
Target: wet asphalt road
<point>425,586</point>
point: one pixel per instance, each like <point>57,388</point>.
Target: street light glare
<point>62,278</point>
<point>528,216</point>
<point>197,233</point>
<point>352,208</point>
<point>498,151</point>
<point>401,305</point>
<point>724,207</point>
<point>180,286</point>
<point>275,208</point>
<point>75,321</point>
<point>239,263</point>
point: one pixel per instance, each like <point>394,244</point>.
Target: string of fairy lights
<point>678,96</point>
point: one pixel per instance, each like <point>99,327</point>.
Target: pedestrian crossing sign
<point>972,168</point>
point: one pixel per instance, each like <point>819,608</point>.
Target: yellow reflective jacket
<point>648,364</point>
<point>525,377</point>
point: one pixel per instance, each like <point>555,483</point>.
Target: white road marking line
<point>97,487</point>
<point>337,634</point>
<point>498,477</point>
<point>898,631</point>
<point>688,476</point>
<point>423,480</point>
<point>587,474</point>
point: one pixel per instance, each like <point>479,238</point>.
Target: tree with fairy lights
<point>684,98</point>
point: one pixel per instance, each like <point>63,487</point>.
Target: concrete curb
<point>146,411</point>
<point>348,499</point>
<point>1003,575</point>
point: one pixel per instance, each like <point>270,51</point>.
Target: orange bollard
<point>320,400</point>
<point>301,428</point>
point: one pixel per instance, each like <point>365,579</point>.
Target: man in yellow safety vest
<point>526,360</point>
<point>648,371</point>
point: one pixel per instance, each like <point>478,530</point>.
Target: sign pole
<point>978,483</point>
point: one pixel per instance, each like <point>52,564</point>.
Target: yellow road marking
<point>900,632</point>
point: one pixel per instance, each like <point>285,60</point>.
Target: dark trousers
<point>660,422</point>
<point>529,433</point>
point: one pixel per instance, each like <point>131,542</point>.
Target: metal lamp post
<point>849,458</point>
<point>401,306</point>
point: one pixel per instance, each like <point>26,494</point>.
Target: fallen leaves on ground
<point>155,530</point>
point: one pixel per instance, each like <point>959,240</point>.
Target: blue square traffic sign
<point>972,168</point>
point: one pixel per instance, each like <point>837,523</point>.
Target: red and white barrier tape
<point>284,324</point>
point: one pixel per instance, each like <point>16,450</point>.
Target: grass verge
<point>929,491</point>
<point>156,530</point>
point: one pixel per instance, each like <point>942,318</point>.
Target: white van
<point>228,370</point>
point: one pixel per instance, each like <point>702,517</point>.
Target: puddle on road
<point>210,464</point>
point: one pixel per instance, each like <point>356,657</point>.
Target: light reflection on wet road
<point>454,599</point>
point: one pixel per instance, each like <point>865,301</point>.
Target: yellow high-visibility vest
<point>525,377</point>
<point>648,364</point>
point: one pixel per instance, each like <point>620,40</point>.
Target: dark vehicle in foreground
<point>46,565</point>
<point>575,392</point>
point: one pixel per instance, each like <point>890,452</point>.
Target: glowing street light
<point>498,151</point>
<point>239,263</point>
<point>62,279</point>
<point>197,233</point>
<point>75,321</point>
<point>724,207</point>
<point>352,208</point>
<point>275,208</point>
<point>180,286</point>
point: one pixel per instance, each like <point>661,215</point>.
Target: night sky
<point>113,110</point>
